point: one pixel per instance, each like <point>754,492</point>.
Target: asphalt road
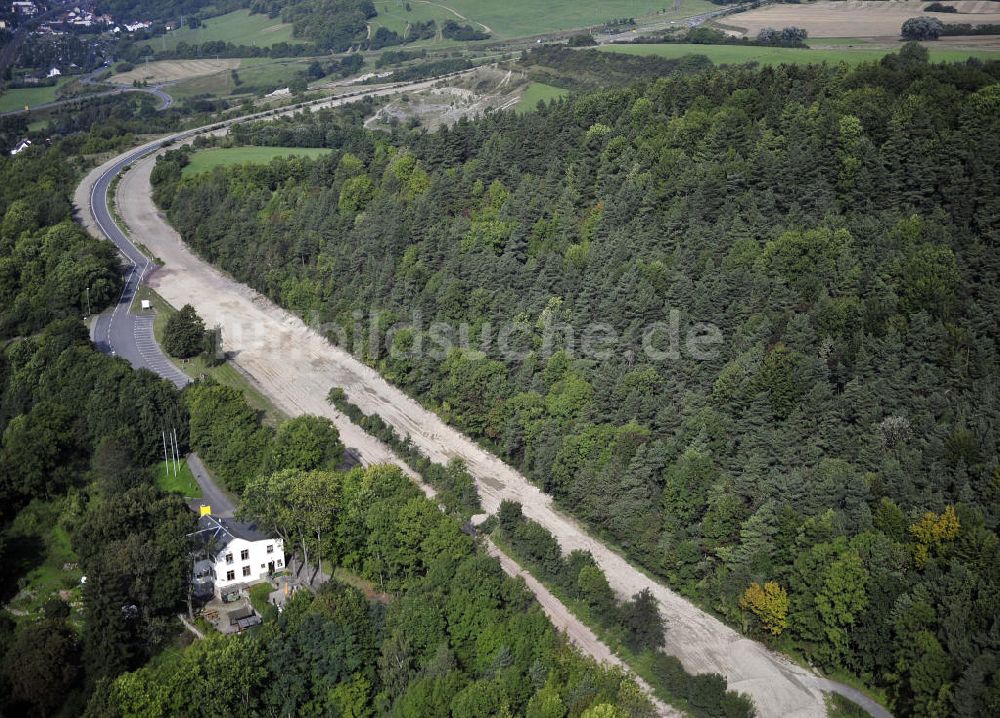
<point>222,503</point>
<point>120,332</point>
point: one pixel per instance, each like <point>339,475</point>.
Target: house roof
<point>216,533</point>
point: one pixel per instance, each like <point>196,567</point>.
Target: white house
<point>231,555</point>
<point>54,72</point>
<point>21,147</point>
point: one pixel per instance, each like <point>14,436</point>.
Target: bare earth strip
<point>296,367</point>
<point>858,19</point>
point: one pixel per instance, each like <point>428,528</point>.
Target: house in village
<point>231,555</point>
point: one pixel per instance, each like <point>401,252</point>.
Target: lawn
<point>16,99</point>
<point>182,482</point>
<point>738,54</point>
<point>238,27</point>
<point>538,92</point>
<point>206,160</point>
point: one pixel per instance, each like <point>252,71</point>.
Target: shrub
<point>922,28</point>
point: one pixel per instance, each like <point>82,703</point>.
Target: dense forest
<point>96,559</point>
<point>824,475</point>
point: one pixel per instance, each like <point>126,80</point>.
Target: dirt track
<point>296,367</point>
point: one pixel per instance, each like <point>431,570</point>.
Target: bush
<point>509,516</point>
<point>922,28</point>
<point>184,335</point>
<point>786,37</point>
<point>642,622</point>
<point>940,7</point>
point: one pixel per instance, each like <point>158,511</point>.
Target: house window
<point>244,554</point>
<point>246,570</point>
<point>230,575</point>
<point>229,558</point>
<point>270,548</point>
<point>263,565</point>
<point>278,564</point>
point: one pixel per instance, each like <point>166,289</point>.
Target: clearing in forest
<point>205,160</point>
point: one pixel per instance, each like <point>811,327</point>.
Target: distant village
<point>78,18</point>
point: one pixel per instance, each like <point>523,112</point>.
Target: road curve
<point>120,332</point>
<point>296,366</point>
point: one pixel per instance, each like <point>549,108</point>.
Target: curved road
<point>295,366</point>
<point>122,333</point>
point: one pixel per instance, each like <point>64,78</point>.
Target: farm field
<point>239,28</point>
<point>520,18</point>
<point>857,19</point>
<point>536,92</point>
<point>254,73</point>
<point>735,54</point>
<point>206,160</point>
<point>173,70</point>
<point>12,100</point>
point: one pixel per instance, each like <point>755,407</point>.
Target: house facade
<point>231,555</point>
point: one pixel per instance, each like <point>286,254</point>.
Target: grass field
<point>736,54</point>
<point>183,483</point>
<point>520,18</point>
<point>12,100</point>
<point>393,15</point>
<point>538,92</point>
<point>239,28</point>
<point>206,160</point>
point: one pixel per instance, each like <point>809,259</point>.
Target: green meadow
<point>206,160</point>
<point>239,28</point>
<point>12,100</point>
<point>538,92</point>
<point>520,18</point>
